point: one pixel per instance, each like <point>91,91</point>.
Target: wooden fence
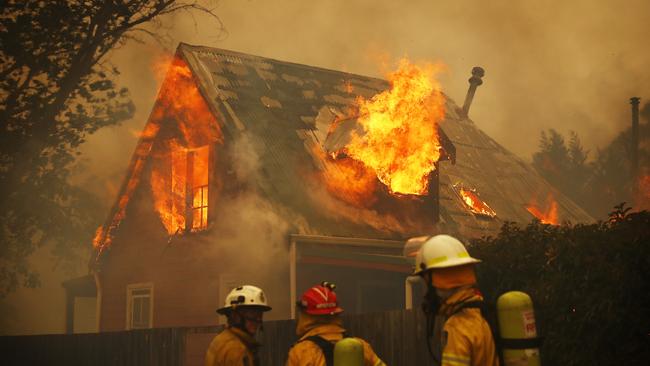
<point>398,337</point>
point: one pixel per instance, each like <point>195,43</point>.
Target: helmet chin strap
<point>236,320</point>
<point>241,322</point>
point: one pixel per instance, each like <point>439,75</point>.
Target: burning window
<point>199,159</point>
<point>183,203</point>
<point>473,202</point>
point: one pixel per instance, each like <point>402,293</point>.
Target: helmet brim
<point>227,309</point>
<point>334,311</point>
<point>455,262</point>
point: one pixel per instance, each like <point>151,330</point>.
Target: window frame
<point>130,289</point>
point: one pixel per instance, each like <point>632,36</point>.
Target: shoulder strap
<point>325,346</point>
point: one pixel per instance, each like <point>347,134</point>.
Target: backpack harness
<point>326,347</point>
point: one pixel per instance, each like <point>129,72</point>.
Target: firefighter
<point>319,327</point>
<point>459,334</point>
<point>236,345</point>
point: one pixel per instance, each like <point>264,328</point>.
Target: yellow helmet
<point>441,251</point>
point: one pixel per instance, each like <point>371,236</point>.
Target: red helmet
<point>320,300</point>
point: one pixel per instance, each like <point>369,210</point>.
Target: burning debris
<point>547,213</point>
<point>397,136</point>
<point>471,199</point>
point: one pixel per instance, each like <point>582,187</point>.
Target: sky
<point>568,65</point>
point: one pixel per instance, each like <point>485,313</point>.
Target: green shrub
<point>590,285</point>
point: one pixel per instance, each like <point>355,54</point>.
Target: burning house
<point>252,170</point>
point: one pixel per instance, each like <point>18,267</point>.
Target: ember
<point>400,140</point>
<point>547,214</point>
<point>474,203</point>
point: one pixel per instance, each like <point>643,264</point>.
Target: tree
<point>56,88</point>
<point>598,184</point>
<point>564,167</point>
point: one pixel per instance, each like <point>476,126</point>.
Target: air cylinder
<point>348,352</point>
<point>518,332</point>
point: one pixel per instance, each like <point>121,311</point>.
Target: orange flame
<point>180,101</point>
<point>400,141</point>
<point>474,203</point>
<point>104,234</point>
<point>97,240</point>
<point>547,214</point>
<point>348,179</point>
<point>179,181</point>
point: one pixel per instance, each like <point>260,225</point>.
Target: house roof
<point>286,110</point>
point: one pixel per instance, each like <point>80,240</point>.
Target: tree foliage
<point>56,88</point>
<point>589,284</point>
<point>601,182</point>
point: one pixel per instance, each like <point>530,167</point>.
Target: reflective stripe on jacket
<point>232,347</point>
<point>466,336</point>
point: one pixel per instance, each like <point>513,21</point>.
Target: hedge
<point>590,285</point>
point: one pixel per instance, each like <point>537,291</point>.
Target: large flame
<point>179,181</point>
<point>547,213</point>
<point>474,203</point>
<point>348,179</point>
<point>400,140</point>
<point>180,103</point>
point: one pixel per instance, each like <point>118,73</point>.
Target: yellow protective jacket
<point>307,353</point>
<point>466,338</point>
<point>232,347</point>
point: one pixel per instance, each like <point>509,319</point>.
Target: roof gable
<point>286,110</point>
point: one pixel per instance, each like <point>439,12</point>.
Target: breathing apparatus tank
<point>348,352</point>
<point>519,341</point>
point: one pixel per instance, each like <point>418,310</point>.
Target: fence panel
<point>164,346</point>
<point>398,337</point>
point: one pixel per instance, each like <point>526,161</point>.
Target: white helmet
<point>441,251</point>
<point>245,296</point>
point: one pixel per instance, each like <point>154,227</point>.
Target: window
<point>190,196</point>
<point>139,306</point>
<point>200,159</point>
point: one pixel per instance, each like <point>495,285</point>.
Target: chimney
<point>634,150</point>
<point>474,82</point>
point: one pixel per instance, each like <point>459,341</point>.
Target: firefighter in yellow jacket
<point>319,327</point>
<point>460,335</point>
<point>236,345</point>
